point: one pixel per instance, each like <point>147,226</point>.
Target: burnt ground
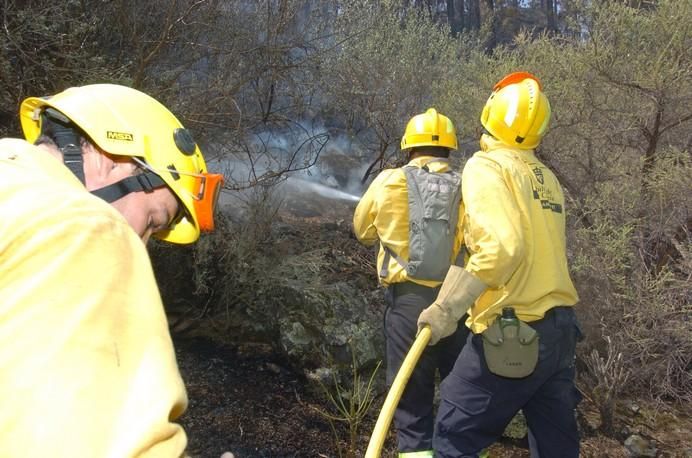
<point>248,401</point>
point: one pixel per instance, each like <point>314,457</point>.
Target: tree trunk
<point>653,248</point>
<point>455,16</point>
<point>550,10</point>
<point>474,14</point>
<point>451,19</point>
<point>492,39</point>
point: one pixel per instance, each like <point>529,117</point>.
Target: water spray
<point>324,190</point>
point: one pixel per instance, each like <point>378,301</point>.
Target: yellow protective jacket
<point>515,233</point>
<point>382,214</point>
<point>87,367</point>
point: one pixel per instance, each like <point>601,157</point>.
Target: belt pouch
<point>510,346</point>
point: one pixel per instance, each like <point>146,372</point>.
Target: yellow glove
<point>459,291</point>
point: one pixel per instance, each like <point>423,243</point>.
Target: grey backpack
<point>433,205</point>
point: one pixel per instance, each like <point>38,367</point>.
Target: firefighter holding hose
<point>415,214</point>
<point>515,287</point>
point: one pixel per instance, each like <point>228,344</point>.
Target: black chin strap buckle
<point>146,181</point>
<point>72,157</point>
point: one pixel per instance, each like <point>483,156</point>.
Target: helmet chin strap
<point>67,139</point>
<point>146,181</point>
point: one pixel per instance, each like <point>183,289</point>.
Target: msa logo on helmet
<point>123,136</point>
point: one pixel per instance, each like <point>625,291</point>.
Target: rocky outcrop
<point>311,294</point>
<point>329,328</point>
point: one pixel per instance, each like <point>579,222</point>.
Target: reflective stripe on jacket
<point>382,215</point>
<point>87,367</point>
<point>515,233</point>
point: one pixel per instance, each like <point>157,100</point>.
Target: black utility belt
<point>409,287</point>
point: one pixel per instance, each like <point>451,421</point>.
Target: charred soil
<point>247,400</point>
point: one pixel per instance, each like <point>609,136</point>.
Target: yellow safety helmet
<point>429,129</point>
<point>517,112</point>
<point>126,122</point>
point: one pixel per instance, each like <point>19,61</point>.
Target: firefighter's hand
<point>457,294</point>
<point>441,322</point>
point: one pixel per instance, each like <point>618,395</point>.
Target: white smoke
<point>335,175</point>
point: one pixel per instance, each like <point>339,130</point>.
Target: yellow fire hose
<point>395,392</point>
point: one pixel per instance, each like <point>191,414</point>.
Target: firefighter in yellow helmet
<point>415,214</point>
<point>88,367</point>
<point>515,287</point>
<point>138,134</point>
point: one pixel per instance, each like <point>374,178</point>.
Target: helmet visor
<point>206,195</point>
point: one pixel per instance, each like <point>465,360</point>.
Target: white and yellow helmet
<point>126,122</point>
<point>517,112</point>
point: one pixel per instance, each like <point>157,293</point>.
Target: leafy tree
<point>46,47</point>
<point>387,64</point>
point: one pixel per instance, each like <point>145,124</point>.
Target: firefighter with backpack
<point>415,212</point>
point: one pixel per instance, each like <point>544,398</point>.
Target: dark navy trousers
<point>414,416</point>
<point>477,405</point>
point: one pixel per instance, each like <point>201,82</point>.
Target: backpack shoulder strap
<point>388,254</point>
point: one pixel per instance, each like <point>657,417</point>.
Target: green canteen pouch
<point>510,350</point>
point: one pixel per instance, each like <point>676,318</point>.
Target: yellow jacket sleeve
<point>493,223</point>
<point>368,209</point>
<point>87,367</point>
